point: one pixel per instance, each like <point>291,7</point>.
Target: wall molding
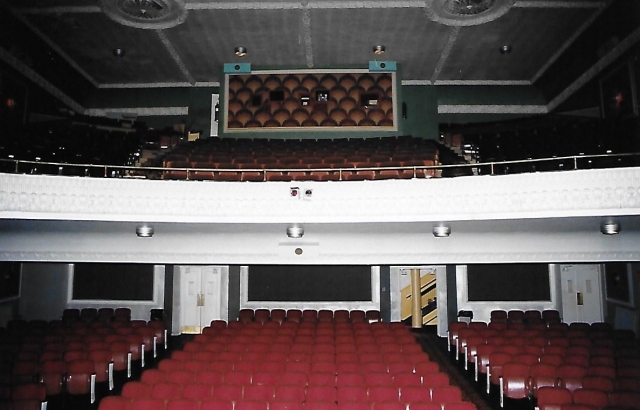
<point>534,195</point>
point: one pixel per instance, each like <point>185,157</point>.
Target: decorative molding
<point>367,258</point>
<point>588,75</point>
<point>492,109</point>
<point>483,82</point>
<point>175,56</point>
<point>416,82</point>
<point>451,39</point>
<point>139,111</point>
<point>560,4</point>
<point>37,79</point>
<point>58,10</point>
<point>307,36</point>
<point>55,48</point>
<point>437,11</point>
<point>202,84</point>
<point>567,44</point>
<point>537,195</point>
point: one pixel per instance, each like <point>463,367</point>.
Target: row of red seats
<point>226,149</point>
<point>346,394</point>
<point>420,374</point>
<point>554,398</point>
<point>123,403</point>
<point>297,315</point>
<point>528,316</point>
<point>202,172</point>
<point>74,355</point>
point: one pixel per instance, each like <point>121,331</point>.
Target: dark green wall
<point>422,111</point>
<point>421,101</point>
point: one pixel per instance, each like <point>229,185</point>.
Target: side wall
<point>46,293</point>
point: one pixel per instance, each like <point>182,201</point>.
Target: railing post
<point>187,169</point>
<point>492,169</point>
<point>575,162</point>
<point>106,171</point>
<point>17,165</point>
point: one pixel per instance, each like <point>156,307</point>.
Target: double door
<point>200,301</point>
<point>582,297</point>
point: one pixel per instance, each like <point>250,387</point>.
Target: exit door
<point>200,288</point>
<point>581,293</point>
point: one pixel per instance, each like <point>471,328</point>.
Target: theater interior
<point>234,205</point>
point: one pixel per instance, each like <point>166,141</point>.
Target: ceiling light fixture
<point>379,50</point>
<point>118,52</point>
<point>610,228</point>
<point>144,231</point>
<point>441,231</point>
<point>505,49</point>
<point>295,231</point>
<point>241,51</point>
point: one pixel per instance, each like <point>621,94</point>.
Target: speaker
<point>239,68</point>
<point>382,66</point>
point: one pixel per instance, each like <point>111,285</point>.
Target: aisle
<point>436,348</point>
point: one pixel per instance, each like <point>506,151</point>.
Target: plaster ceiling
<point>308,34</point>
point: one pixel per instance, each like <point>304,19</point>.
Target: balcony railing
<point>572,162</point>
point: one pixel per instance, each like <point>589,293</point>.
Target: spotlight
<point>144,231</point>
<point>610,228</point>
<point>441,231</point>
<point>241,51</point>
<point>295,231</point>
<point>378,50</point>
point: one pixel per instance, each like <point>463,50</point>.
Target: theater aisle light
<point>610,228</point>
<point>144,231</point>
<point>441,231</point>
<point>295,231</point>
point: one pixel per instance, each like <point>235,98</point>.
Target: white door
<point>200,288</point>
<point>581,293</point>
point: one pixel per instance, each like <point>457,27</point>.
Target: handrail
<point>265,171</point>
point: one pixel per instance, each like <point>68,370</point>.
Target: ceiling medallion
<point>145,14</point>
<point>467,7</point>
<point>466,12</point>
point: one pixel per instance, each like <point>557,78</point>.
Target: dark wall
<point>452,294</point>
<point>385,294</point>
<point>234,292</point>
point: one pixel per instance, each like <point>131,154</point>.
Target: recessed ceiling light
<point>241,51</point>
<point>610,228</point>
<point>379,50</point>
<point>144,231</point>
<point>441,231</point>
<point>295,231</point>
<point>505,49</point>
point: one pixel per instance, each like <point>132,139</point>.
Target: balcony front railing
<point>572,162</point>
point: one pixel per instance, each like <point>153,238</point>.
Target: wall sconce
<point>610,228</point>
<point>144,231</point>
<point>441,231</point>
<point>241,51</point>
<point>295,231</point>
